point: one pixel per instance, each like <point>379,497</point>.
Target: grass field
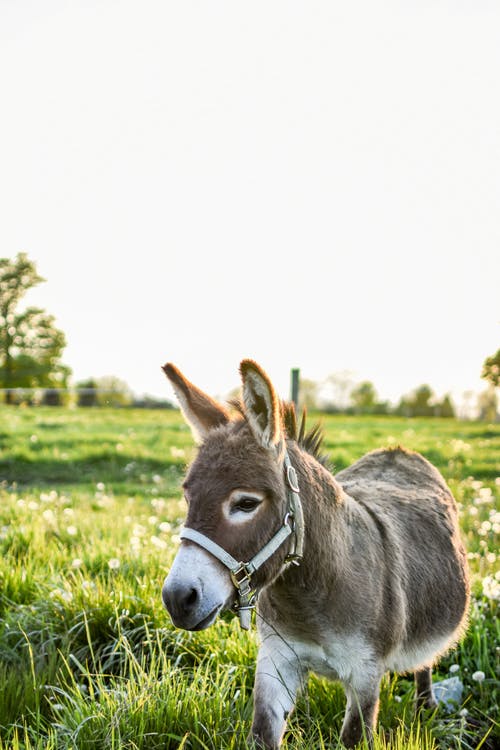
<point>90,510</point>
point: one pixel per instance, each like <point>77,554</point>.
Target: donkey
<point>358,574</point>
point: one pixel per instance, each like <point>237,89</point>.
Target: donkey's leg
<point>423,688</point>
<point>278,678</point>
<point>361,711</point>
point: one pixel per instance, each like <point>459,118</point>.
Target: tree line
<point>31,350</point>
<point>31,367</point>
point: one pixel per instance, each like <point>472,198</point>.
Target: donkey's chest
<point>339,657</point>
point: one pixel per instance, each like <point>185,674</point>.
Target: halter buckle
<point>241,577</point>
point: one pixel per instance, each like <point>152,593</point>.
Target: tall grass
<point>90,511</point>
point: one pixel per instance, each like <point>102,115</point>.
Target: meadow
<point>90,512</point>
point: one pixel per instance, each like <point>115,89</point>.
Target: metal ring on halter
<point>292,479</point>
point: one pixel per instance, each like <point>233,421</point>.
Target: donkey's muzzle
<point>186,608</point>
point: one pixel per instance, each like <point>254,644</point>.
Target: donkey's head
<point>237,502</point>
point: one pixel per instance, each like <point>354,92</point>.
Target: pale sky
<point>310,184</point>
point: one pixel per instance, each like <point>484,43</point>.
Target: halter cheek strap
<point>241,572</point>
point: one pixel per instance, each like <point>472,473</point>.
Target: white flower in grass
<point>159,543</point>
<point>77,563</point>
<point>66,596</point>
<point>72,530</point>
<point>32,505</point>
<point>135,541</point>
<point>177,452</point>
<point>100,486</point>
<point>113,563</point>
<point>491,587</point>
<point>165,527</point>
<point>478,676</point>
<point>454,668</point>
<point>158,504</point>
<point>49,516</point>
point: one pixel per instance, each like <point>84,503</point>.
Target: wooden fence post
<point>294,387</point>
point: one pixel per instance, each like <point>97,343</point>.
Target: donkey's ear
<point>200,411</point>
<point>262,407</point>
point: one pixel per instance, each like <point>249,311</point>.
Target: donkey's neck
<point>297,595</point>
<point>324,507</point>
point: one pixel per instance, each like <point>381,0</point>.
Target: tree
<point>487,403</point>
<point>364,397</point>
<point>106,391</point>
<point>446,408</point>
<point>418,403</point>
<point>30,344</point>
<point>111,391</point>
<point>491,369</point>
<point>87,392</point>
<point>339,386</point>
<point>308,394</point>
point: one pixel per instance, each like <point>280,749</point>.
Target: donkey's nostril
<point>191,598</point>
<point>180,600</point>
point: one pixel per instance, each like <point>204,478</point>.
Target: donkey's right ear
<point>200,411</point>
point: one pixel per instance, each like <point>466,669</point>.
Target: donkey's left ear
<point>262,407</point>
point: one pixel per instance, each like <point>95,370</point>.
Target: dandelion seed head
<point>491,587</point>
<point>114,563</point>
<point>135,542</point>
<point>49,516</point>
<point>159,543</point>
<point>158,504</point>
<point>478,676</point>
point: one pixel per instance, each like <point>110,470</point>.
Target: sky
<point>308,184</point>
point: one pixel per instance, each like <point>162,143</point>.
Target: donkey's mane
<point>311,440</point>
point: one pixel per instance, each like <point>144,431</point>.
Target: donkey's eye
<point>247,504</point>
<point>240,505</point>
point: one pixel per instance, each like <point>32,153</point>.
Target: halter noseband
<point>241,572</point>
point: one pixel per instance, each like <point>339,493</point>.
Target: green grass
<point>90,509</point>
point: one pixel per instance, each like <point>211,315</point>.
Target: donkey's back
<point>414,516</point>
